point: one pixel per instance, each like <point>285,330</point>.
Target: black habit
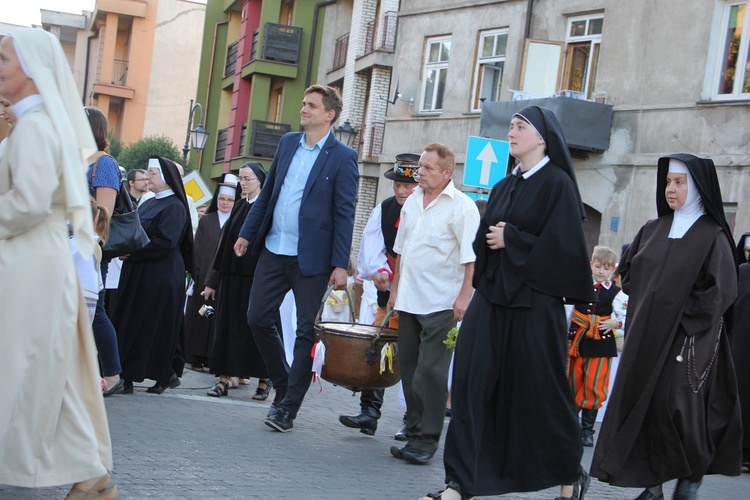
<point>199,335</point>
<point>740,342</point>
<point>514,425</point>
<point>235,353</point>
<point>148,314</point>
<point>661,424</point>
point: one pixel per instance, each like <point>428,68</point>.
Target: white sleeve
<point>372,247</point>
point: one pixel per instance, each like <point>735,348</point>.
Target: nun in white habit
<point>56,432</point>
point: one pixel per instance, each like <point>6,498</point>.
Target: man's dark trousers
<point>275,275</point>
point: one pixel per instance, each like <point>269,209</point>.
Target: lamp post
<point>199,135</point>
<point>346,133</point>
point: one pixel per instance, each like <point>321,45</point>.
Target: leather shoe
<point>281,421</point>
<point>401,434</point>
<point>647,495</point>
<point>127,387</point>
<point>411,454</point>
<point>273,410</point>
<point>118,388</point>
<point>174,381</point>
<point>365,423</point>
<point>686,490</point>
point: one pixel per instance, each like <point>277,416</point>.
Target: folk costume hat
<point>406,169</point>
<point>703,174</point>
<point>548,127</point>
<point>42,58</point>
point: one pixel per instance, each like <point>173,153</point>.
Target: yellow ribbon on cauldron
<point>386,358</point>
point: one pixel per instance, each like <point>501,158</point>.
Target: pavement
<point>184,445</point>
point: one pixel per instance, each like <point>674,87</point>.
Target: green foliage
<point>450,342</point>
<point>115,145</point>
<point>136,155</point>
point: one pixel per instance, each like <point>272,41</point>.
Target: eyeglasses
<point>248,179</point>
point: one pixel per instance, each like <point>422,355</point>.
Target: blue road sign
<point>486,161</point>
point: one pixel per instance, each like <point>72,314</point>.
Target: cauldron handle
<point>323,304</point>
<point>370,354</point>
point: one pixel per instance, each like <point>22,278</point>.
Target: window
<point>584,39</point>
<point>489,71</point>
<point>733,72</point>
<point>438,52</point>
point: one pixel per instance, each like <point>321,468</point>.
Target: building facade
<point>258,56</point>
<point>140,65</point>
<point>674,73</point>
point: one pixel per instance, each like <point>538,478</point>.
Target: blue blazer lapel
<point>319,164</point>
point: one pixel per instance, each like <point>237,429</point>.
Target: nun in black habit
<point>230,279</point>
<point>674,411</point>
<point>199,329</point>
<point>514,423</point>
<point>149,311</point>
<point>740,343</point>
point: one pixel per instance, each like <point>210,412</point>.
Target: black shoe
<point>401,434</point>
<point>411,454</point>
<point>588,440</point>
<point>647,495</point>
<point>365,423</point>
<point>157,388</point>
<point>281,421</point>
<point>686,490</point>
<point>273,410</point>
<point>127,387</point>
<point>582,485</point>
<point>118,388</point>
<point>174,381</point>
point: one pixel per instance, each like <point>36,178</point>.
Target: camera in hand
<point>206,311</point>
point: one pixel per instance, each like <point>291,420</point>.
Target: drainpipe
<point>86,69</point>
<point>318,6</point>
<point>529,9</point>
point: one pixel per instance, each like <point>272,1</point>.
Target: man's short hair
<point>131,175</point>
<point>605,255</point>
<point>331,99</point>
<point>447,158</point>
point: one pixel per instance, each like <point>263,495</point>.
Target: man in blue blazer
<point>302,224</point>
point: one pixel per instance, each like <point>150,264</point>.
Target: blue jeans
<point>105,336</point>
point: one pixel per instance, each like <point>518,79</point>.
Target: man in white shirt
<point>431,290</point>
<point>376,262</point>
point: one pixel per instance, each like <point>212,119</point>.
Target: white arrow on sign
<point>487,157</point>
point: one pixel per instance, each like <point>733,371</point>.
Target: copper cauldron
<point>353,353</point>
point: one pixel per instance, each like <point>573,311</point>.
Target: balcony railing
<point>221,144</point>
<point>266,137</point>
<point>382,36</point>
<point>282,43</point>
<point>231,63</point>
<point>254,47</point>
<point>340,52</point>
<point>120,72</point>
<point>243,138</point>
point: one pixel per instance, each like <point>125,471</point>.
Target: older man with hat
<point>376,262</point>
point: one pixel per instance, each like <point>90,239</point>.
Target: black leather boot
<point>588,419</point>
<point>686,490</point>
<point>367,421</point>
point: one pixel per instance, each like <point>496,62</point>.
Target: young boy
<point>592,342</point>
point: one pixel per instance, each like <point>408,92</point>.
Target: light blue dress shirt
<point>284,235</point>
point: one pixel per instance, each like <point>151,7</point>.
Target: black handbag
<point>126,235</point>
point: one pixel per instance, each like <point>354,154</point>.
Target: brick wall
<point>368,190</point>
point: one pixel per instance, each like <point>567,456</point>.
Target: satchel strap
<point>93,170</point>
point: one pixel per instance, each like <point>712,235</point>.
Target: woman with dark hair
<point>674,411</point>
<point>51,432</point>
<point>229,281</point>
<point>514,423</point>
<point>149,311</point>
<point>199,328</point>
<point>104,184</point>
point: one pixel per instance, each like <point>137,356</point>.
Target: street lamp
<point>346,133</point>
<point>199,135</point>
